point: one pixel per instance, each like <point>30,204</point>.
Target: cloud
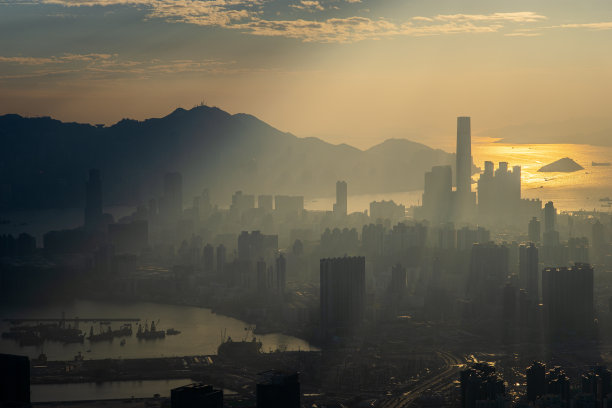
<point>249,17</point>
<point>517,17</point>
<point>607,25</point>
<point>309,5</point>
<point>99,66</point>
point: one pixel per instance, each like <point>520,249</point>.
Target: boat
<point>605,199</point>
<point>601,163</point>
<point>172,332</point>
<point>150,334</point>
<point>239,350</point>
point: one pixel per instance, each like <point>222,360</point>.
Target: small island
<point>564,165</point>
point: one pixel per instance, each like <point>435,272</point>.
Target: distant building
<point>173,196</point>
<point>528,270</point>
<point>196,395</point>
<point>265,202</point>
<point>221,259</point>
<point>499,191</point>
<point>93,201</point>
<point>438,195</point>
<point>342,285</point>
<point>241,203</point>
<point>276,389</point>
<point>398,278</point>
<point>341,206</point>
<point>281,273</point>
<point>255,245</point>
<point>488,272</point>
<point>567,295</point>
<point>551,235</point>
<point>14,380</point>
<point>289,205</point>
<point>534,230</point>
<point>208,258</point>
<point>130,237</point>
<point>467,237</point>
<point>387,210</point>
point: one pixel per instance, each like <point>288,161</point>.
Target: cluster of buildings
<point>482,386</point>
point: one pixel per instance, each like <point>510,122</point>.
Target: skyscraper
<point>437,194</point>
<point>464,155</point>
<point>340,207</point>
<point>567,294</point>
<point>551,235</point>
<point>342,294</point>
<point>93,200</point>
<point>534,230</point>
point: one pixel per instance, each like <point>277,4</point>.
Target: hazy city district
<point>478,297</point>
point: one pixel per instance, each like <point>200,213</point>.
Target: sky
<point>346,71</point>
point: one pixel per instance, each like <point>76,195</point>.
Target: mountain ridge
<point>44,161</point>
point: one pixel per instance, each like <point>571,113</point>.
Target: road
<point>437,382</point>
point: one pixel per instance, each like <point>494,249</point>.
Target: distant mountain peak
<point>564,165</point>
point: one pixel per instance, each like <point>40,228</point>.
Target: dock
<point>74,320</point>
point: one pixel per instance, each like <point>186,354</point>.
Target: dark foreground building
<point>14,380</point>
<point>276,389</point>
<point>196,395</point>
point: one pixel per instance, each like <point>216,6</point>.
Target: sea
<point>579,190</point>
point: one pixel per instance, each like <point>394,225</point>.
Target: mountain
<point>564,165</point>
<point>44,162</point>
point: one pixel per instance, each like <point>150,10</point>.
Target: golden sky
<point>347,71</point>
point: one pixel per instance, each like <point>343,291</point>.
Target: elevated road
<point>436,382</point>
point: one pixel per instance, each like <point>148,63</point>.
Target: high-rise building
<point>281,273</point>
<point>173,196</point>
<point>438,194</point>
<point>221,259</point>
<point>208,258</point>
<point>567,295</point>
<point>536,381</point>
<point>551,235</point>
<point>488,272</point>
<point>464,155</point>
<point>499,191</point>
<point>398,278</point>
<point>276,389</point>
<point>255,245</point>
<point>342,294</point>
<point>196,395</point>
<point>550,215</point>
<point>340,208</point>
<point>464,202</point>
<point>289,205</point>
<point>93,201</point>
<point>528,270</point>
<point>534,230</point>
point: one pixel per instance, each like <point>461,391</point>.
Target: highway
<point>437,382</point>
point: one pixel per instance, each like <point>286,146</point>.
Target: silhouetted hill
<point>44,162</point>
<point>564,165</point>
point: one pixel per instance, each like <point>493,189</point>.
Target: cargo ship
<point>239,349</point>
<point>150,334</point>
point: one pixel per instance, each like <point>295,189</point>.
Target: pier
<point>73,320</point>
